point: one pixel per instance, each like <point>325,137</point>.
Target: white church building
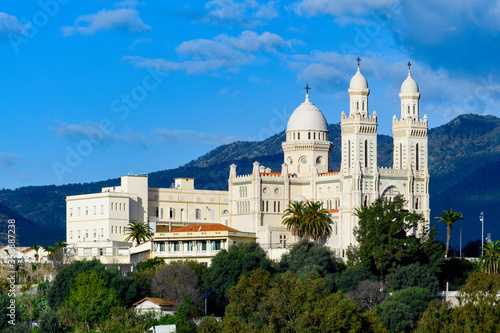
<point>254,203</point>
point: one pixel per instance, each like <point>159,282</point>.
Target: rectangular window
<point>198,198</point>
<point>95,210</point>
<point>95,233</point>
<point>162,246</point>
<point>78,211</point>
<point>216,245</point>
<point>198,214</point>
<point>71,212</point>
<point>86,233</point>
<point>102,209</point>
<point>172,213</point>
<point>71,234</point>
<point>189,246</point>
<point>176,246</point>
<point>78,234</point>
<point>157,212</point>
<point>102,232</point>
<point>86,210</point>
<point>204,246</point>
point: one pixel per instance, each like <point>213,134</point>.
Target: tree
<point>386,235</point>
<point>368,294</point>
<point>138,232</point>
<point>228,266</point>
<point>306,256</point>
<point>36,248</point>
<point>308,220</point>
<point>352,276</point>
<point>259,303</point>
<point>401,311</point>
<point>490,260</point>
<point>293,218</point>
<point>150,263</point>
<point>413,275</point>
<point>472,249</point>
<point>175,281</point>
<point>449,217</point>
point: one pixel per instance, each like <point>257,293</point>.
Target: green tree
<point>413,275</point>
<point>228,266</point>
<point>449,217</point>
<point>259,303</point>
<point>490,260</point>
<point>293,218</point>
<point>89,302</point>
<point>352,276</point>
<point>401,311</point>
<point>150,263</point>
<point>386,235</point>
<point>138,232</point>
<point>306,256</point>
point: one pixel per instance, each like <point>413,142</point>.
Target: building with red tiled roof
<point>158,306</point>
<point>199,242</point>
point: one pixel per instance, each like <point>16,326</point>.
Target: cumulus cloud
<point>8,160</point>
<point>10,24</point>
<point>343,9</point>
<point>125,18</point>
<point>247,13</point>
<point>97,133</point>
<point>445,95</point>
<point>179,136</point>
<point>205,55</point>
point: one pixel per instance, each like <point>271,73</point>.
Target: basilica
<point>191,223</point>
<point>258,200</point>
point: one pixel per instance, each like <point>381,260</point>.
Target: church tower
<point>410,146</point>
<point>307,144</point>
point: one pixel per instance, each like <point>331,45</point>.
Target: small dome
<point>358,81</point>
<point>307,117</point>
<point>409,85</point>
<point>300,198</point>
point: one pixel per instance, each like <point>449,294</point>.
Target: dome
<point>300,198</point>
<point>358,81</point>
<point>307,117</point>
<point>409,85</point>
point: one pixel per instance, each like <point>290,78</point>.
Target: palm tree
<point>317,222</point>
<point>293,217</point>
<point>449,217</point>
<point>36,248</point>
<point>139,232</point>
<point>490,260</point>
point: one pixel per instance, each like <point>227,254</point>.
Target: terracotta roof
<point>158,301</point>
<point>271,173</point>
<point>329,173</point>
<point>204,227</point>
<point>333,211</point>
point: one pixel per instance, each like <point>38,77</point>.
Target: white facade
<point>258,200</point>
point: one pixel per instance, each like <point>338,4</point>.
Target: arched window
<point>357,106</point>
<point>408,109</point>
<point>416,203</point>
<point>400,156</point>
<point>349,153</point>
<point>363,106</point>
<point>267,206</point>
<point>309,135</point>
<point>414,109</point>
<point>298,136</point>
<point>314,135</point>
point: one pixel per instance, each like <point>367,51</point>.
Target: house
<point>158,306</point>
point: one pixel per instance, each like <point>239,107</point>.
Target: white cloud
<point>10,24</point>
<point>97,133</point>
<point>340,7</point>
<point>247,13</point>
<point>178,136</point>
<point>8,160</point>
<point>205,55</point>
<point>123,19</point>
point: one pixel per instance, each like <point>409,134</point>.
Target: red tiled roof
<point>158,301</point>
<point>271,173</point>
<point>204,227</point>
<point>333,211</point>
<point>329,173</point>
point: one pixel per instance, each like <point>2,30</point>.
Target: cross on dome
<point>409,67</point>
<point>358,60</point>
<point>307,88</point>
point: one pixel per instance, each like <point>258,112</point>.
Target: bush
<point>414,275</point>
<point>351,277</point>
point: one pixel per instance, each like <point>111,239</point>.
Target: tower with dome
<point>257,200</point>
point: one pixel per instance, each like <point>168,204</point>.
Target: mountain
<point>463,158</point>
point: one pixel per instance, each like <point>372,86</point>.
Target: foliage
<point>352,276</point>
<point>385,234</point>
<point>287,304</point>
<point>478,310</point>
<point>49,323</point>
<point>490,260</point>
<point>123,320</point>
<point>413,275</point>
<point>400,312</point>
<point>89,302</point>
<point>208,325</point>
<point>308,219</point>
<point>145,277</point>
<point>175,281</point>
<point>150,263</point>
<point>138,232</point>
<point>228,266</point>
<point>449,217</point>
<point>368,294</point>
<point>306,256</point>
<point>197,267</point>
<point>455,271</point>
<point>472,249</point>
<point>127,289</point>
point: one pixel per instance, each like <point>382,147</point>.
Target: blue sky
<point>92,90</point>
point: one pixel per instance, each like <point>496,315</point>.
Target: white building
<point>255,203</point>
<point>258,200</point>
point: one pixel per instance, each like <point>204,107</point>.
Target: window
<point>86,210</point>
<point>157,212</point>
<point>197,214</point>
<point>189,246</point>
<point>408,109</point>
<point>349,153</point>
<point>176,246</point>
<point>366,153</point>
<point>172,213</point>
<point>102,232</point>
<point>162,246</point>
<point>182,198</point>
<point>314,135</point>
<point>86,233</point>
<point>413,109</point>
<point>274,206</point>
<point>309,135</point>
<point>102,209</point>
<point>357,106</point>
<point>71,234</point>
<point>78,234</point>
<point>198,198</point>
<point>95,210</point>
<point>216,245</point>
<point>282,240</point>
<point>278,206</point>
<point>363,105</point>
<point>417,154</point>
<point>95,234</point>
<point>298,136</point>
<point>416,203</point>
<point>111,206</point>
